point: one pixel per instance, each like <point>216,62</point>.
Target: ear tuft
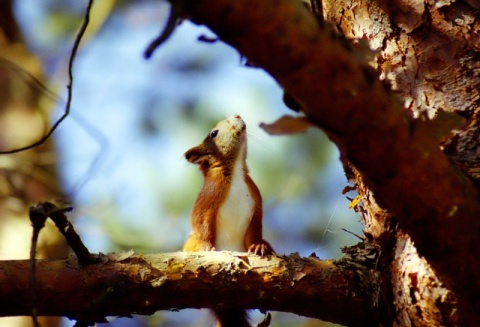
<point>195,154</point>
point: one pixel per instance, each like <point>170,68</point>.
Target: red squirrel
<point>227,214</point>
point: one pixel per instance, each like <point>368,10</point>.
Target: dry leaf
<point>355,202</point>
<point>287,125</point>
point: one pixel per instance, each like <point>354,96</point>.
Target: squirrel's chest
<point>234,215</point>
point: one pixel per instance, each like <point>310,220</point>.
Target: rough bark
<point>428,49</point>
<point>124,284</point>
<point>417,296</point>
<point>428,52</point>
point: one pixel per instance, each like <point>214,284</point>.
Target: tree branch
<point>124,284</point>
<point>341,94</point>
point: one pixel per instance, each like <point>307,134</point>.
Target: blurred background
<point>118,157</point>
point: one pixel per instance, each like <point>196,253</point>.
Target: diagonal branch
<point>124,284</point>
<point>398,157</point>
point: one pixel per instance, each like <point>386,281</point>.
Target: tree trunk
<point>428,51</point>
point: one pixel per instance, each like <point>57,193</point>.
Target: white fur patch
<point>235,213</point>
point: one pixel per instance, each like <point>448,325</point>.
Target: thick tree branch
<point>338,91</point>
<point>124,284</point>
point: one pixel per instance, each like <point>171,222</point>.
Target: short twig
<point>57,215</point>
<point>73,239</point>
<point>44,210</point>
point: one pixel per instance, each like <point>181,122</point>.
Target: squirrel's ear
<point>195,154</point>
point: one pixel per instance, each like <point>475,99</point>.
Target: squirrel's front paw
<point>260,249</point>
<point>206,246</point>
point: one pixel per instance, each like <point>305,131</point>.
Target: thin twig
<point>73,54</point>
<point>94,132</point>
<point>346,230</point>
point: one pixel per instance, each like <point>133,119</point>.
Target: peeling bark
<point>428,50</point>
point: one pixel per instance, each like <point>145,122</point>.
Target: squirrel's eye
<point>214,133</point>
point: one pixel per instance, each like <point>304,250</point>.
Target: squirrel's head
<point>225,142</point>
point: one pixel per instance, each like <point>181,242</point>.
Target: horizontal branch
<point>399,158</point>
<point>124,284</point>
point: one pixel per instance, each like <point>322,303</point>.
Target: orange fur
<point>227,199</point>
<point>216,158</point>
